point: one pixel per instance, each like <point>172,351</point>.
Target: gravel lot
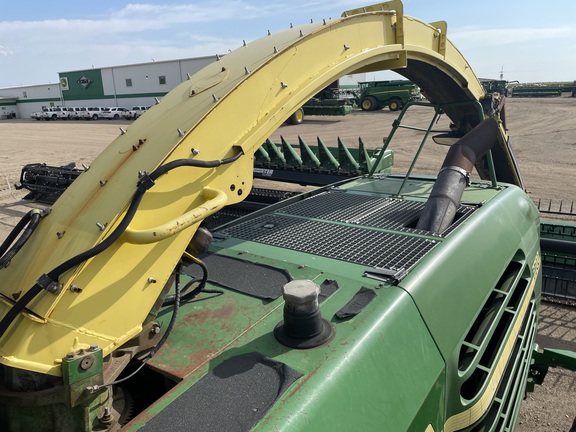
<point>543,136</point>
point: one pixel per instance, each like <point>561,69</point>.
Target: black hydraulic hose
<point>15,232</point>
<point>143,185</point>
<point>26,226</point>
<point>193,163</point>
<point>67,265</point>
<point>185,295</point>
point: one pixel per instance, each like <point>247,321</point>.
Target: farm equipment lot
<point>542,134</point>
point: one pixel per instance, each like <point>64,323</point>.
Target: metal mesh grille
<point>347,243</point>
<point>386,213</point>
<point>350,227</point>
<point>335,206</point>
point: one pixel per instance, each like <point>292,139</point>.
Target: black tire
<point>95,117</point>
<point>297,117</point>
<point>369,103</point>
<point>116,116</point>
<point>395,105</point>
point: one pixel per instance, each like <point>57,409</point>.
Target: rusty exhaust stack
<point>453,178</point>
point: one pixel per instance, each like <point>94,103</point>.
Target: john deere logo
<point>84,81</point>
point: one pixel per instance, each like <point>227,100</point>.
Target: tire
<point>116,117</point>
<point>368,103</point>
<point>95,117</point>
<point>395,105</point>
<point>297,117</point>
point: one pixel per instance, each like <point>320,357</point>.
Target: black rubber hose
<point>108,241</point>
<point>15,232</point>
<point>185,295</point>
<point>30,228</point>
<point>193,163</point>
<point>55,273</point>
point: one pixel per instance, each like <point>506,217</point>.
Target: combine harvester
<point>385,302</point>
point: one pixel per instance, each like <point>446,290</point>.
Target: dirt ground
<point>542,133</point>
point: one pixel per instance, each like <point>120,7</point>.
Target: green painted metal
<point>380,94</point>
<point>408,339</point>
<point>547,357</point>
<point>85,84</point>
<point>390,330</point>
<point>293,159</point>
<point>326,157</point>
<point>343,159</point>
<point>309,158</point>
<point>444,344</point>
<point>546,90</point>
<point>327,107</point>
<point>80,371</point>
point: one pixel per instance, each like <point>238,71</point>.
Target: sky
<point>524,40</point>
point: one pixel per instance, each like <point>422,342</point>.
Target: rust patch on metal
<point>178,359</point>
<point>303,380</point>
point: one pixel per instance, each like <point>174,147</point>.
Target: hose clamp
<point>459,170</point>
<point>50,285</point>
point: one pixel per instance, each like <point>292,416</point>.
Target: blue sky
<point>527,40</point>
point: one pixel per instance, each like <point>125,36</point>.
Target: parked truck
<point>394,94</point>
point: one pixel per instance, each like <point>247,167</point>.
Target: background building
<point>115,86</point>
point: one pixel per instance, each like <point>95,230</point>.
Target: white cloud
<point>5,51</point>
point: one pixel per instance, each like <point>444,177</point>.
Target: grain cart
<point>388,301</point>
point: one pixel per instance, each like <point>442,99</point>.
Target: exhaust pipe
<point>454,176</point>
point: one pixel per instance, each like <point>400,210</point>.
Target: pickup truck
<point>51,113</point>
<point>114,113</point>
<point>64,113</point>
<point>135,112</point>
<point>75,113</point>
<point>37,115</point>
<point>93,113</point>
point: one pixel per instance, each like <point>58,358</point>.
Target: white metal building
<point>122,86</point>
<point>115,86</point>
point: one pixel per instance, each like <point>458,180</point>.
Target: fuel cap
<point>303,326</point>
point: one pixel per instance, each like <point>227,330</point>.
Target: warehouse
<point>122,86</point>
<point>115,86</point>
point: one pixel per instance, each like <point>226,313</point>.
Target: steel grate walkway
<point>358,227</point>
<point>386,213</point>
<point>348,243</point>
